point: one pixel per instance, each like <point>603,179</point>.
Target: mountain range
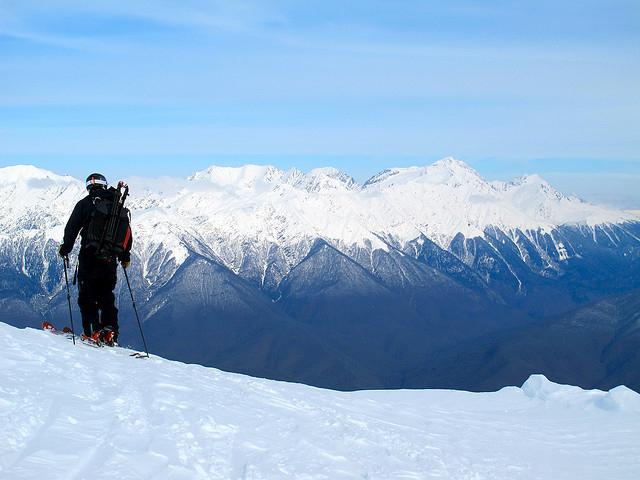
<point>420,277</point>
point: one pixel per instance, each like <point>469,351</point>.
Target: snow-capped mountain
<point>444,252</point>
<point>82,412</point>
<point>259,211</point>
<point>264,204</point>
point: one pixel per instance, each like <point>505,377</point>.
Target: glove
<point>63,252</point>
<point>126,263</point>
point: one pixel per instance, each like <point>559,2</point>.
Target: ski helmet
<point>96,180</point>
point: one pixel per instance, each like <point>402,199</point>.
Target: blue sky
<point>168,88</point>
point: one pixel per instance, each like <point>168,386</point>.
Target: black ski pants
<point>96,281</point>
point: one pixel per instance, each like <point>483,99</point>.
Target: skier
<point>96,273</point>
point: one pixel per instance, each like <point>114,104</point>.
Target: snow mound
<point>81,412</point>
<point>620,398</point>
<point>540,387</point>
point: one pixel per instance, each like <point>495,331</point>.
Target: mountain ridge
<point>260,221</point>
<point>391,276</point>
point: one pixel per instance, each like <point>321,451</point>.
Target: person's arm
<point>71,230</point>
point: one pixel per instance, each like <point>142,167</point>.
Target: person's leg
<point>108,310</point>
<point>87,297</point>
<point>88,308</point>
<point>107,301</point>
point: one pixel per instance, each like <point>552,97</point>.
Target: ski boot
<point>106,336</point>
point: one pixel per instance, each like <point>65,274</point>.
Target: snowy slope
<point>79,412</point>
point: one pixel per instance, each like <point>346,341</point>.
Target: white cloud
<point>619,190</point>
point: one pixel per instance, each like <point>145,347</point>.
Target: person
<point>96,275</point>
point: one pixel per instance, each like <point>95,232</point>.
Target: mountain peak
<point>31,177</point>
<point>443,171</point>
<point>24,173</point>
<point>451,162</point>
<point>531,179</point>
<point>534,183</point>
<point>453,167</point>
<point>249,176</point>
<point>328,178</point>
<point>381,176</point>
<point>246,176</point>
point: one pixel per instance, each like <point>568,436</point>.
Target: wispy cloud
<point>472,79</point>
<point>38,20</point>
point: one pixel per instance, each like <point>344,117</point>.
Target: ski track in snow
<point>77,412</point>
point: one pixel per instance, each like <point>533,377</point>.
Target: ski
<point>139,355</point>
<point>84,340</point>
<point>90,341</point>
<point>50,328</point>
<point>66,332</point>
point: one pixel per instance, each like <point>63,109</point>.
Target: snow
<point>246,177</point>
<point>619,398</point>
<point>21,173</point>
<point>230,210</point>
<point>80,412</point>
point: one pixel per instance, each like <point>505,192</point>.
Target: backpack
<point>109,228</point>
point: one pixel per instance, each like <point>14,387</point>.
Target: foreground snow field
<point>80,412</point>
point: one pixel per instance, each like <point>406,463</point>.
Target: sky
<point>168,88</point>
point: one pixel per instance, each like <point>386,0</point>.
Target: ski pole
<point>65,260</point>
<point>126,275</point>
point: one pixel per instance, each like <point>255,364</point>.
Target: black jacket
<point>79,220</point>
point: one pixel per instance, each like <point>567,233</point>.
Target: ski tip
<point>139,355</point>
